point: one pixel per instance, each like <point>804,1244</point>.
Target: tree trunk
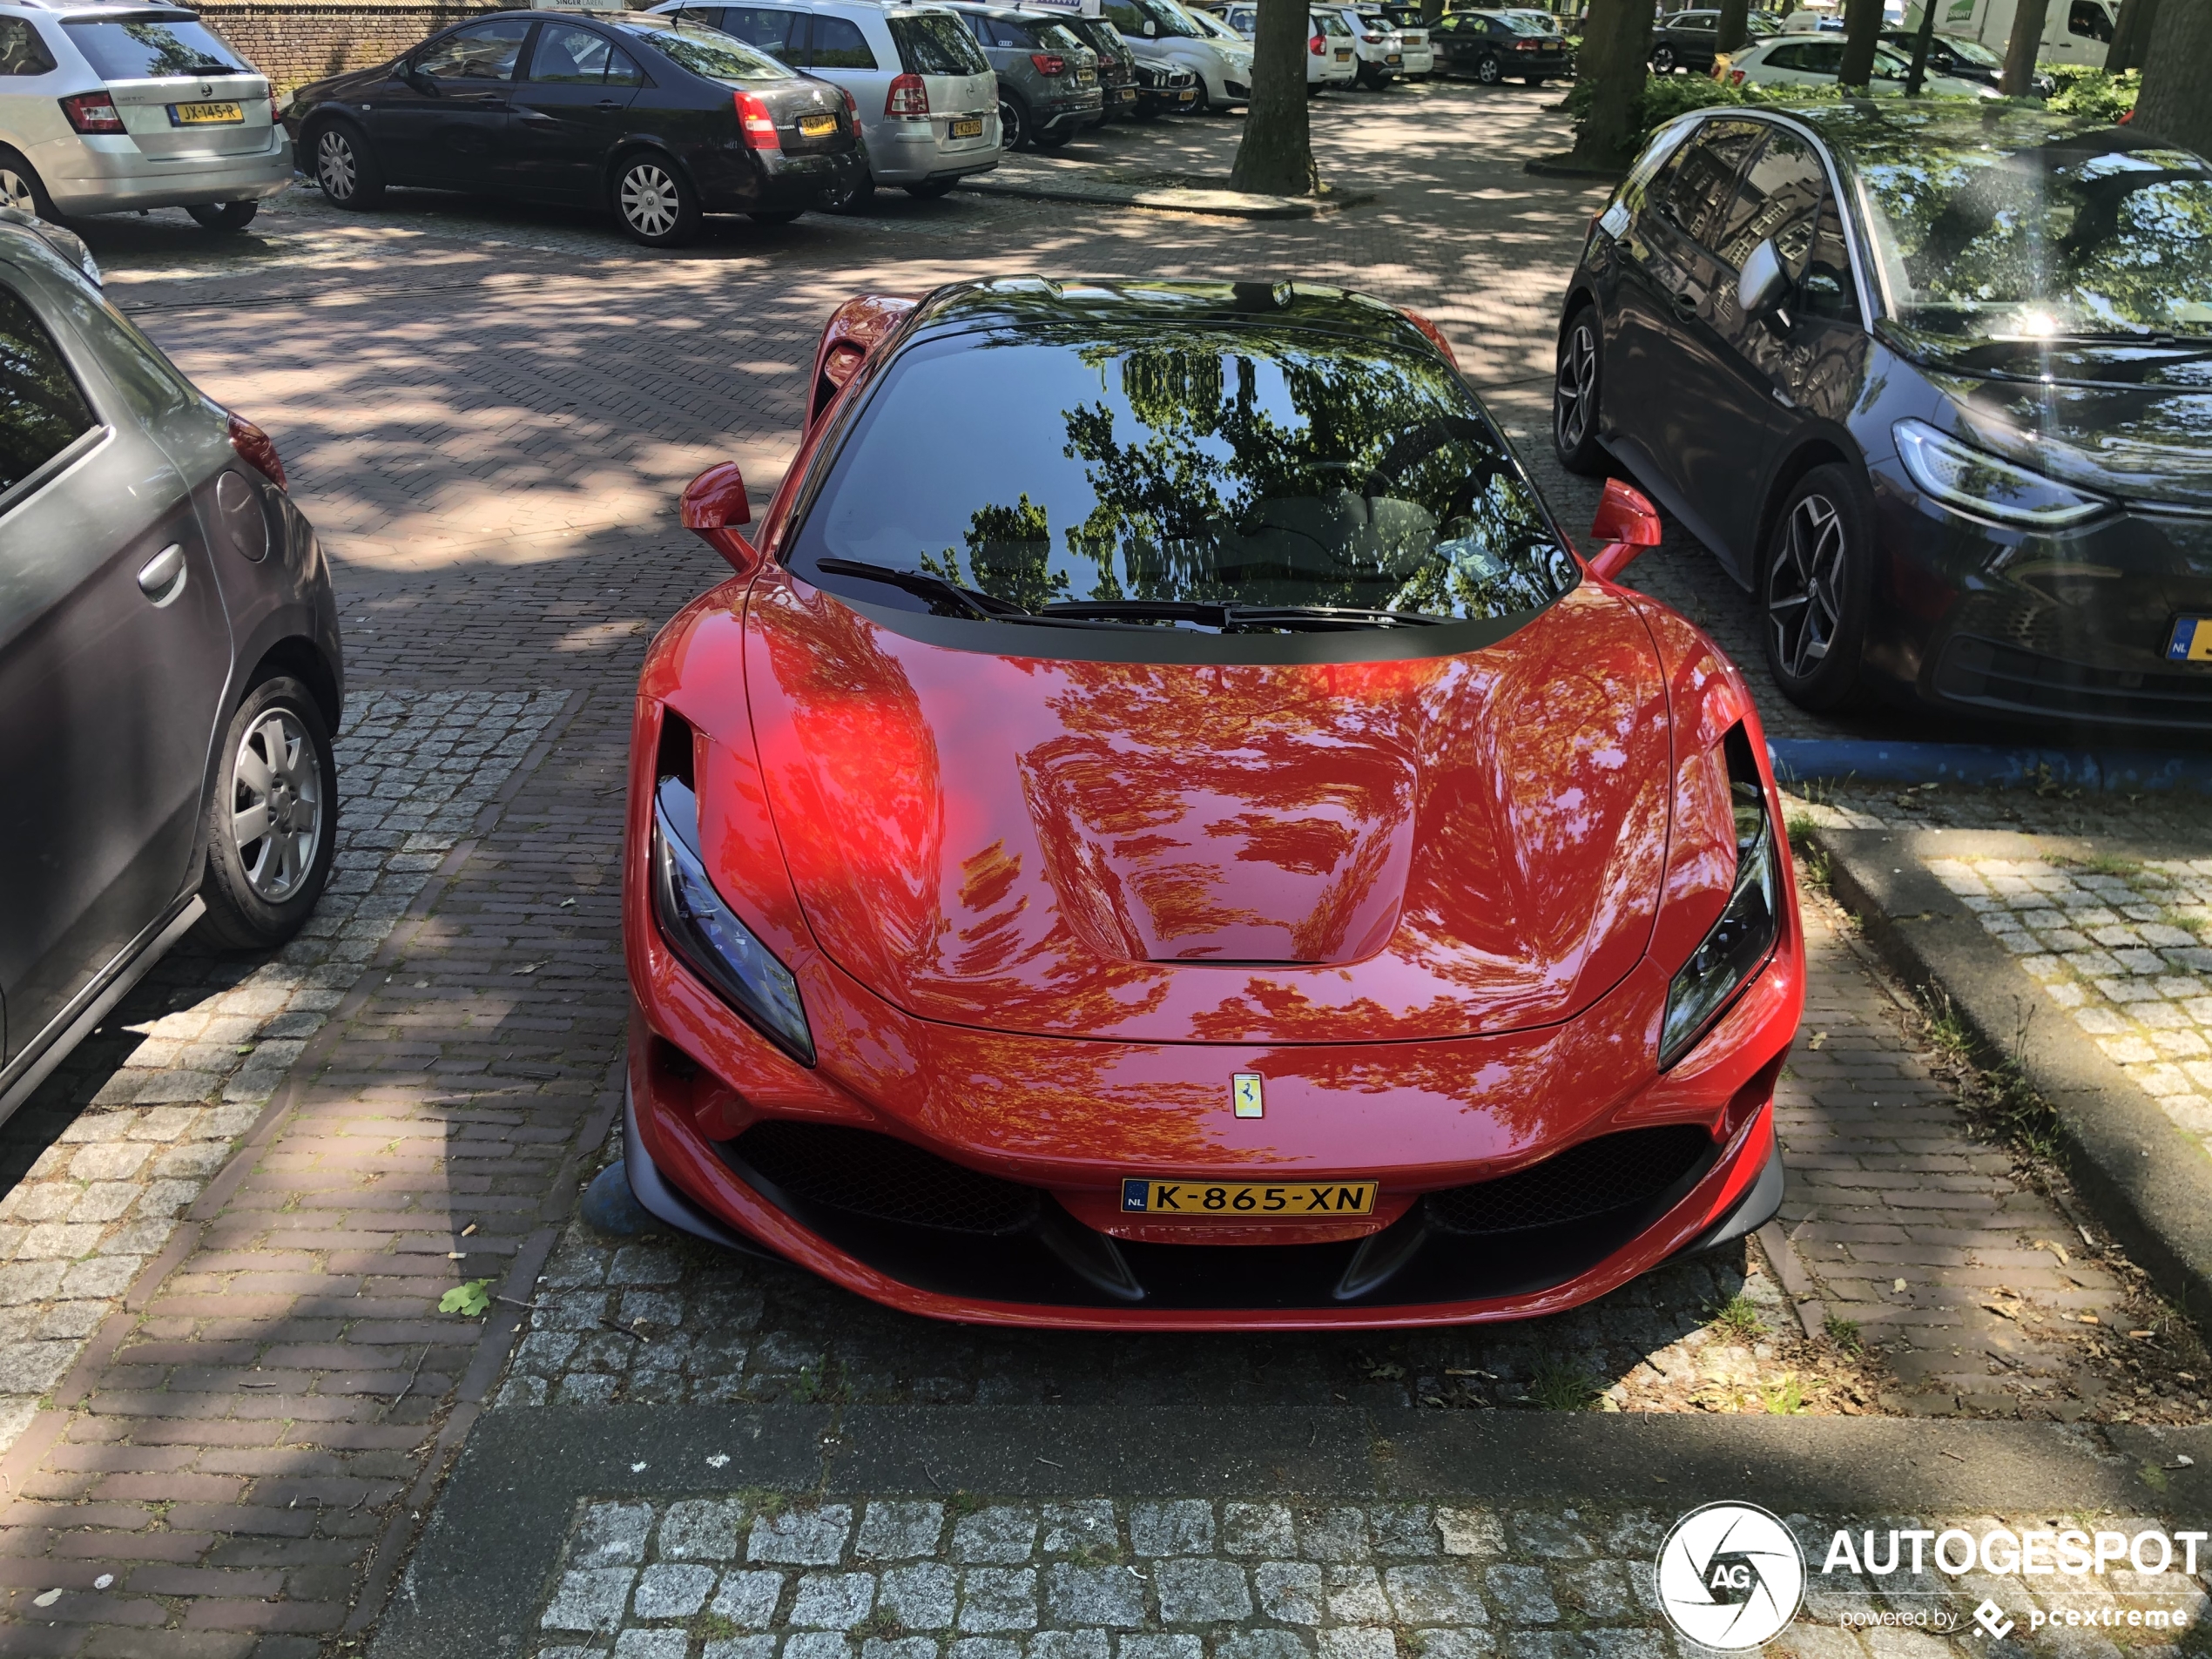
<point>1862,33</point>
<point>2177,69</point>
<point>2123,35</point>
<point>1733,28</point>
<point>2020,53</point>
<point>1432,12</point>
<point>1275,158</point>
<point>1616,50</point>
<point>1921,36</point>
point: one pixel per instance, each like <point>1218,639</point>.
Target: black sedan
<point>1691,39</point>
<point>1963,60</point>
<point>660,119</point>
<point>1931,381</point>
<point>1493,46</point>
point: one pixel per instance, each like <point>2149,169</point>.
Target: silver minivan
<point>108,108</point>
<point>926,97</point>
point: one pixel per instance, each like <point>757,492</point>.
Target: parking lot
<point>244,1419</point>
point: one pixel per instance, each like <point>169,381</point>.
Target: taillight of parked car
<point>1735,77</point>
<point>257,449</point>
<point>93,112</point>
<point>909,97</point>
<point>1048,63</point>
<point>1529,46</point>
<point>1319,45</point>
<point>759,126</point>
<point>852,109</point>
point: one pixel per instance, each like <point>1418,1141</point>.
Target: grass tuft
<point>1844,1334</point>
<point>1559,1388</point>
<point>1738,1317</point>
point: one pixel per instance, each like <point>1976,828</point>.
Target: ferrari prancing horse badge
<point>1244,1094</point>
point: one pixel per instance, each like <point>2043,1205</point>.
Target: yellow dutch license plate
<point>206,115</point>
<point>968,126</point>
<point>817,126</point>
<point>2191,640</point>
<point>1234,1200</point>
<point>1343,57</point>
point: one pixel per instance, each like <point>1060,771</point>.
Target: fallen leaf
<point>2182,1460</point>
<point>529,968</point>
<point>1817,1038</point>
<point>1898,1286</point>
<point>2000,1308</point>
<point>48,1599</point>
<point>468,1300</point>
<point>565,903</point>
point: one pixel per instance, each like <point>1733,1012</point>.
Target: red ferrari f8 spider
<point>1161,830</point>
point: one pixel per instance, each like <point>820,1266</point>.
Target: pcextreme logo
<point>1731,1576</point>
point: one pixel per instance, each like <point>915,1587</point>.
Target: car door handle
<point>1686,299</point>
<point>161,578</point>
<point>610,103</point>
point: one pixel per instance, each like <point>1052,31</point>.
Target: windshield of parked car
<point>152,48</point>
<point>1328,23</point>
<point>1169,19</point>
<point>1209,25</point>
<point>1521,25</point>
<point>1211,466</point>
<point>1973,51</point>
<point>2085,232</point>
<point>714,55</point>
<point>937,43</point>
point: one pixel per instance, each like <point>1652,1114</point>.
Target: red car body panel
<point>1040,910</point>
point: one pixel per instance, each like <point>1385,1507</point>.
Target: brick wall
<point>294,43</point>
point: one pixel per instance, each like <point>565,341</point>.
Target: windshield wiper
<point>922,585</point>
<point>1228,616</point>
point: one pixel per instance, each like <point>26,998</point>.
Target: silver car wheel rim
<point>334,166</point>
<point>1488,72</point>
<point>15,191</point>
<point>1805,593</point>
<point>1574,396</point>
<point>276,805</point>
<point>649,200</point>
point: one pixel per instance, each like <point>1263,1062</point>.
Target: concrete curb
<point>1556,167</point>
<point>1990,765</point>
<point>490,1546</point>
<point>2141,1177</point>
<point>1169,198</point>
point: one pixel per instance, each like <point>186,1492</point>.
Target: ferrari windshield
<point>2086,233</point>
<point>1219,478</point>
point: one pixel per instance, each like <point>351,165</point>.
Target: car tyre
<point>21,187</point>
<point>273,821</point>
<point>1488,70</point>
<point>225,216</point>
<point>1013,123</point>
<point>930,189</point>
<point>1575,391</point>
<point>345,169</point>
<point>851,201</point>
<point>655,202</point>
<point>1816,586</point>
<point>1662,60</point>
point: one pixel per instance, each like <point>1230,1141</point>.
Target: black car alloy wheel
<point>347,174</point>
<point>1662,59</point>
<point>1014,122</point>
<point>1814,588</point>
<point>1489,72</point>
<point>657,204</point>
<point>1574,396</point>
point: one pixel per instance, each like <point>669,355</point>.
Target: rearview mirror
<point>1626,523</point>
<point>421,79</point>
<point>1150,28</point>
<point>714,502</point>
<point>1764,285</point>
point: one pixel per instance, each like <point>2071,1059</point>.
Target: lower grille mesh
<point>1595,1178</point>
<point>885,1179</point>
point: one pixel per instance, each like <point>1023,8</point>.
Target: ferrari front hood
<point>1328,852</point>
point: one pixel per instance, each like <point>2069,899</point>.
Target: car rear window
<point>1274,466</point>
<point>714,55</point>
<point>934,42</point>
<point>21,50</point>
<point>150,49</point>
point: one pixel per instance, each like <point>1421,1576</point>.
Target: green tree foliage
<point>2092,93</point>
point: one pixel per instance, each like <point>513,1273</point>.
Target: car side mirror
<point>1626,523</point>
<point>1763,285</point>
<point>714,502</point>
<point>421,79</point>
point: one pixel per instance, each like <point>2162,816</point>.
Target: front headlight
<point>708,935</point>
<point>1989,488</point>
<point>1727,957</point>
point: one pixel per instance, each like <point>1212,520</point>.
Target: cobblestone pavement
<point>152,1104</point>
<point>488,413</point>
<point>750,1574</point>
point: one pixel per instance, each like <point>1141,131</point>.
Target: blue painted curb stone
<point>609,1205</point>
<point>1982,766</point>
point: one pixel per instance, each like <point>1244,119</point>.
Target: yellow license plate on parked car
<point>817,126</point>
<point>968,126</point>
<point>1343,57</point>
<point>1278,1200</point>
<point>206,115</point>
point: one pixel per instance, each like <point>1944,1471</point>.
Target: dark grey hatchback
<point>170,672</point>
<point>1935,380</point>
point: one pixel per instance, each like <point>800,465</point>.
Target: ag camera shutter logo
<point>1731,1576</point>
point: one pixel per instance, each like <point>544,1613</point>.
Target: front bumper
<point>1041,1131</point>
<point>1981,619</point>
<point>110,174</point>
